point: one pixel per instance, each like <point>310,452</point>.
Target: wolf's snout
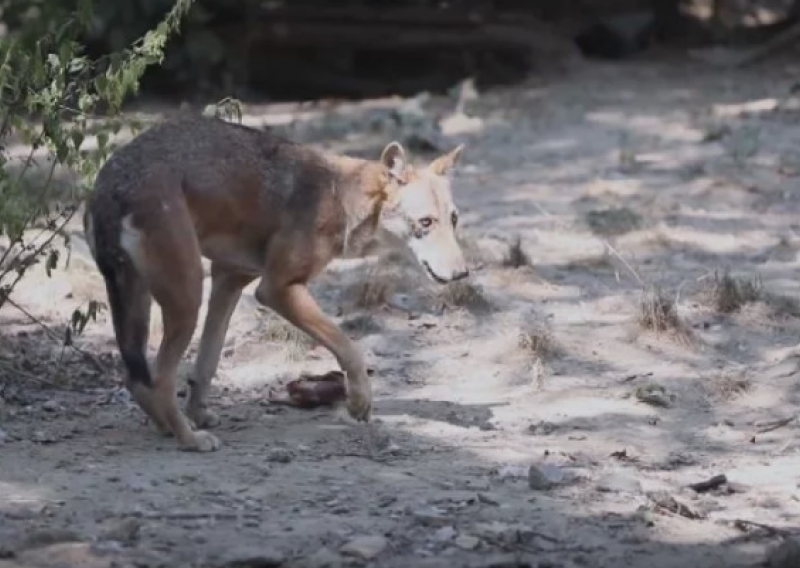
<point>444,278</point>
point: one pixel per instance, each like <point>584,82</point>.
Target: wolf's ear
<point>394,158</point>
<point>443,164</point>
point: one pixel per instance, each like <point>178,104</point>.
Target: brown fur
<point>257,206</point>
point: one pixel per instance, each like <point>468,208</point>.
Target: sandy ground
<point>616,179</point>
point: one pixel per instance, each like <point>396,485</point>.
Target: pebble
<point>323,558</point>
<point>542,428</point>
<point>512,472</point>
<point>497,532</point>
<point>444,534</point>
<point>618,483</point>
<point>467,542</point>
<point>126,530</point>
<point>365,547</point>
<point>253,558</point>
<point>279,455</point>
<point>51,406</point>
<point>42,437</point>
<point>48,537</point>
<point>432,518</point>
<point>655,395</point>
<point>544,476</point>
<point>487,499</point>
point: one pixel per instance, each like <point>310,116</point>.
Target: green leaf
<point>77,139</point>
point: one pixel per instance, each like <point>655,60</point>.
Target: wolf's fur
<point>257,206</point>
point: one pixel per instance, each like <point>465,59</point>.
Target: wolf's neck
<point>359,189</point>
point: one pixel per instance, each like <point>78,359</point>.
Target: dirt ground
<point>622,182</point>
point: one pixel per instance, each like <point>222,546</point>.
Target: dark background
<point>313,49</point>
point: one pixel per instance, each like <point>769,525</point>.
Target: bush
<point>52,97</point>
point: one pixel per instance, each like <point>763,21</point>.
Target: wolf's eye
<point>454,218</point>
<point>426,222</point>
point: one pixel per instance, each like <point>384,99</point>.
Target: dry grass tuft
<point>278,331</point>
<point>516,256</point>
<point>729,294</point>
<point>377,286</point>
<point>373,292</point>
<point>658,312</point>
<point>728,385</point>
<point>463,294</point>
<point>537,345</point>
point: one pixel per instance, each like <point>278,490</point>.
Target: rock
<point>279,455</point>
<point>76,554</point>
<point>512,472</point>
<point>544,476</point>
<point>497,532</point>
<point>444,534</point>
<point>542,428</point>
<point>365,547</point>
<point>467,542</point>
<point>253,558</point>
<point>51,406</point>
<point>785,555</point>
<point>41,437</point>
<point>619,483</point>
<point>124,531</point>
<point>432,518</point>
<point>655,395</point>
<point>323,558</point>
<point>665,501</point>
<point>613,221</point>
<point>48,537</point>
<point>506,560</point>
<point>487,499</point>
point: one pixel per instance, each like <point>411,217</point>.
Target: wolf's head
<point>419,210</point>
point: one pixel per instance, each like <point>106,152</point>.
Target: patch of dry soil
<point>615,179</point>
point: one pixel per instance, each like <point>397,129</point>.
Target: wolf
<point>257,206</point>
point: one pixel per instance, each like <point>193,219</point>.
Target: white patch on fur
<point>130,240</point>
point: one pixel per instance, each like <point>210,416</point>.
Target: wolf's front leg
<point>295,303</point>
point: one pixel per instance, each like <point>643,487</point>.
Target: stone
<point>124,531</point>
<point>502,533</point>
<point>512,471</point>
<point>444,534</point>
<point>323,558</point>
<point>253,558</point>
<point>618,483</point>
<point>467,542</point>
<point>542,428</point>
<point>432,518</point>
<point>48,537</point>
<point>365,547</point>
<point>279,455</point>
<point>544,476</point>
